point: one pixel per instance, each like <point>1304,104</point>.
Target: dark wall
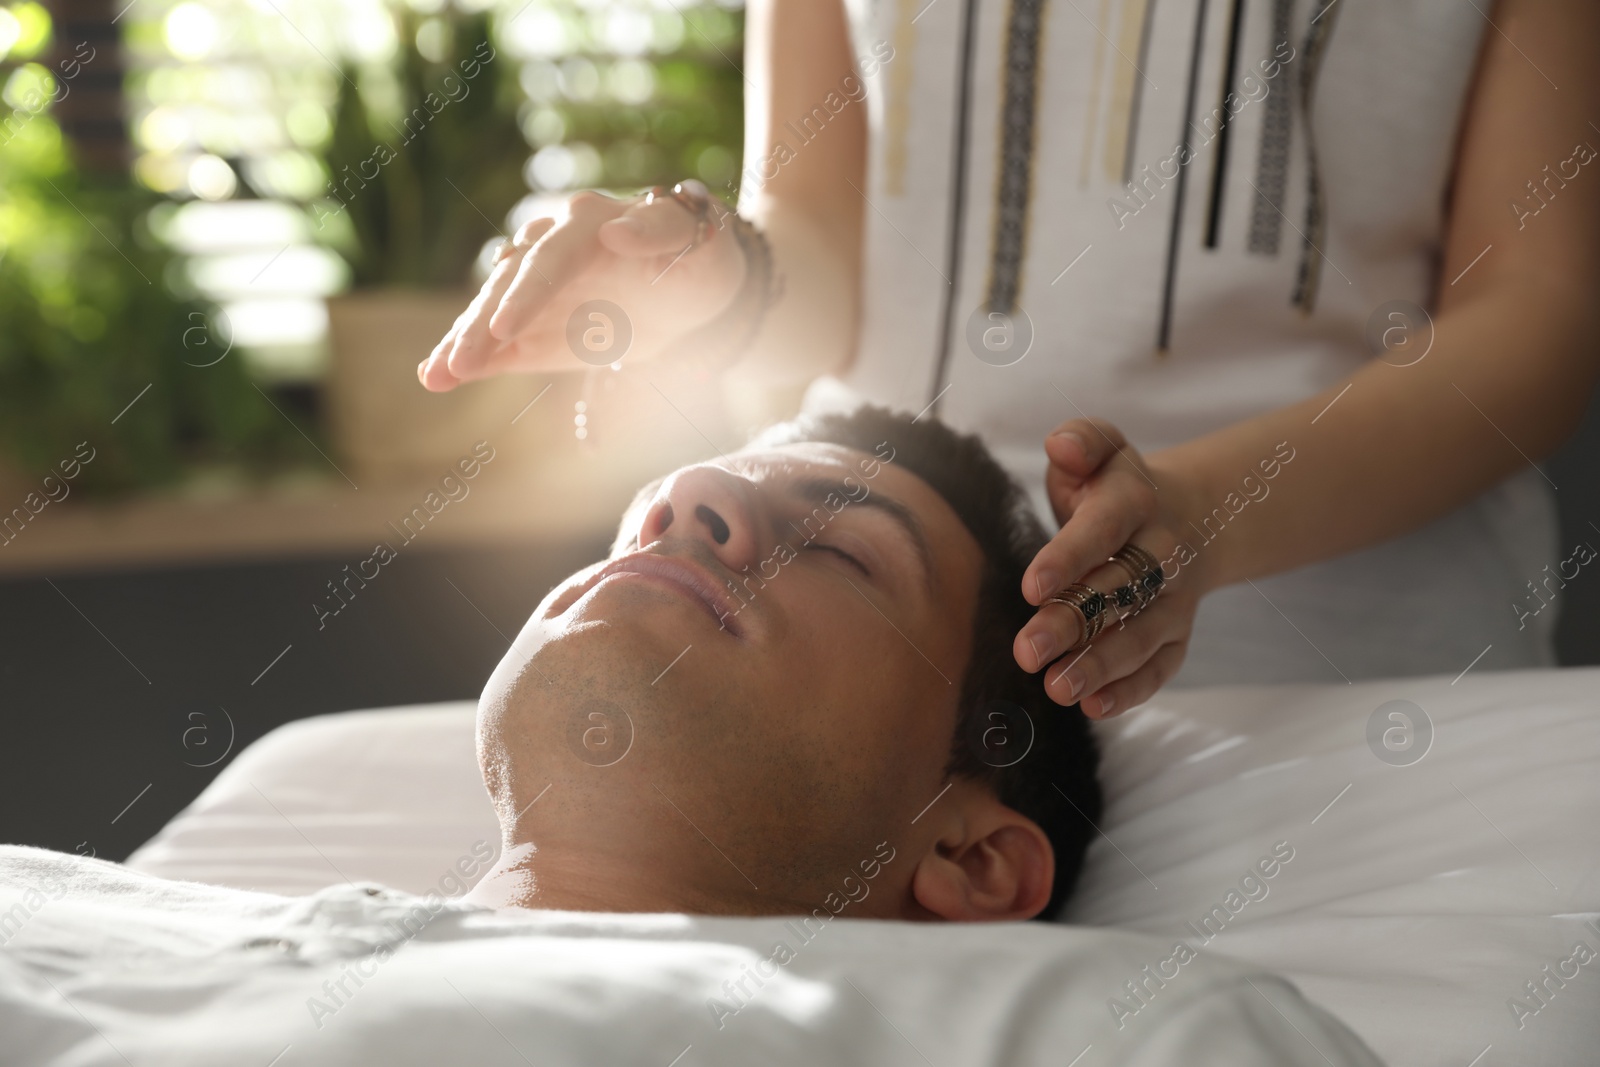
<point>1576,472</point>
<point>112,683</point>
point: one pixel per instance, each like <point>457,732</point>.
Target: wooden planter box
<point>383,423</point>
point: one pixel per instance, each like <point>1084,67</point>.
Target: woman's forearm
<point>804,169</point>
<point>1388,450</point>
<point>810,329</point>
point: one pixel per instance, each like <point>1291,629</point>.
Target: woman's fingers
<point>1055,627</point>
<point>559,256</point>
<point>1079,447</point>
<point>1098,675</point>
<point>432,372</point>
<point>603,247</point>
<point>474,348</point>
<point>1065,492</point>
<point>462,352</point>
<point>1136,688</point>
<point>1102,493</point>
<point>1120,503</point>
<point>1078,451</point>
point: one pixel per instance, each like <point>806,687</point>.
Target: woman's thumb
<point>665,226</point>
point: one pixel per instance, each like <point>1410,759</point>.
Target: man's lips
<point>686,576</point>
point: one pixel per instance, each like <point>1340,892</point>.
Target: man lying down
<point>772,789</point>
<point>795,664</point>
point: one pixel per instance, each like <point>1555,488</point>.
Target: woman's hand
<point>1104,495</point>
<point>635,255</point>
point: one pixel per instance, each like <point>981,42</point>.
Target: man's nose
<point>709,505</point>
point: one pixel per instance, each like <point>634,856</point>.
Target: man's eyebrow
<point>817,491</point>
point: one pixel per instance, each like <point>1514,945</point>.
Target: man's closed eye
<point>842,554</point>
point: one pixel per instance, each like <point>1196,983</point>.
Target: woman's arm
<point>1507,380</point>
<point>1514,357</point>
<point>797,55</point>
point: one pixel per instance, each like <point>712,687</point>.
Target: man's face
<point>756,688</point>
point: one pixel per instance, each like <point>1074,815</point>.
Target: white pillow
<point>391,796</point>
<point>1419,899</point>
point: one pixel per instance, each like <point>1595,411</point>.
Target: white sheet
<point>102,965</point>
<point>1415,907</point>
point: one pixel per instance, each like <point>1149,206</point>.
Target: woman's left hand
<point>1105,495</point>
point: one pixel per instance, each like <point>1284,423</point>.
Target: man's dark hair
<point>1003,709</point>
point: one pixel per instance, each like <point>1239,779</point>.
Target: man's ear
<point>989,863</point>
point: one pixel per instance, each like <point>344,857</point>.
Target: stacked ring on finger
<point>695,199</point>
<point>1090,604</point>
<point>1127,596</point>
<point>1144,576</point>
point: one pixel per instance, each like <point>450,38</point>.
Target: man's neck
<point>534,877</point>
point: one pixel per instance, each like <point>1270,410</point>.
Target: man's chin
<point>587,681</point>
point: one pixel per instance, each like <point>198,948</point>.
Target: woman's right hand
<point>627,252</point>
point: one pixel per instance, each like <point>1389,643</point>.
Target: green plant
<point>426,155</point>
<point>690,126</point>
<point>88,325</point>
